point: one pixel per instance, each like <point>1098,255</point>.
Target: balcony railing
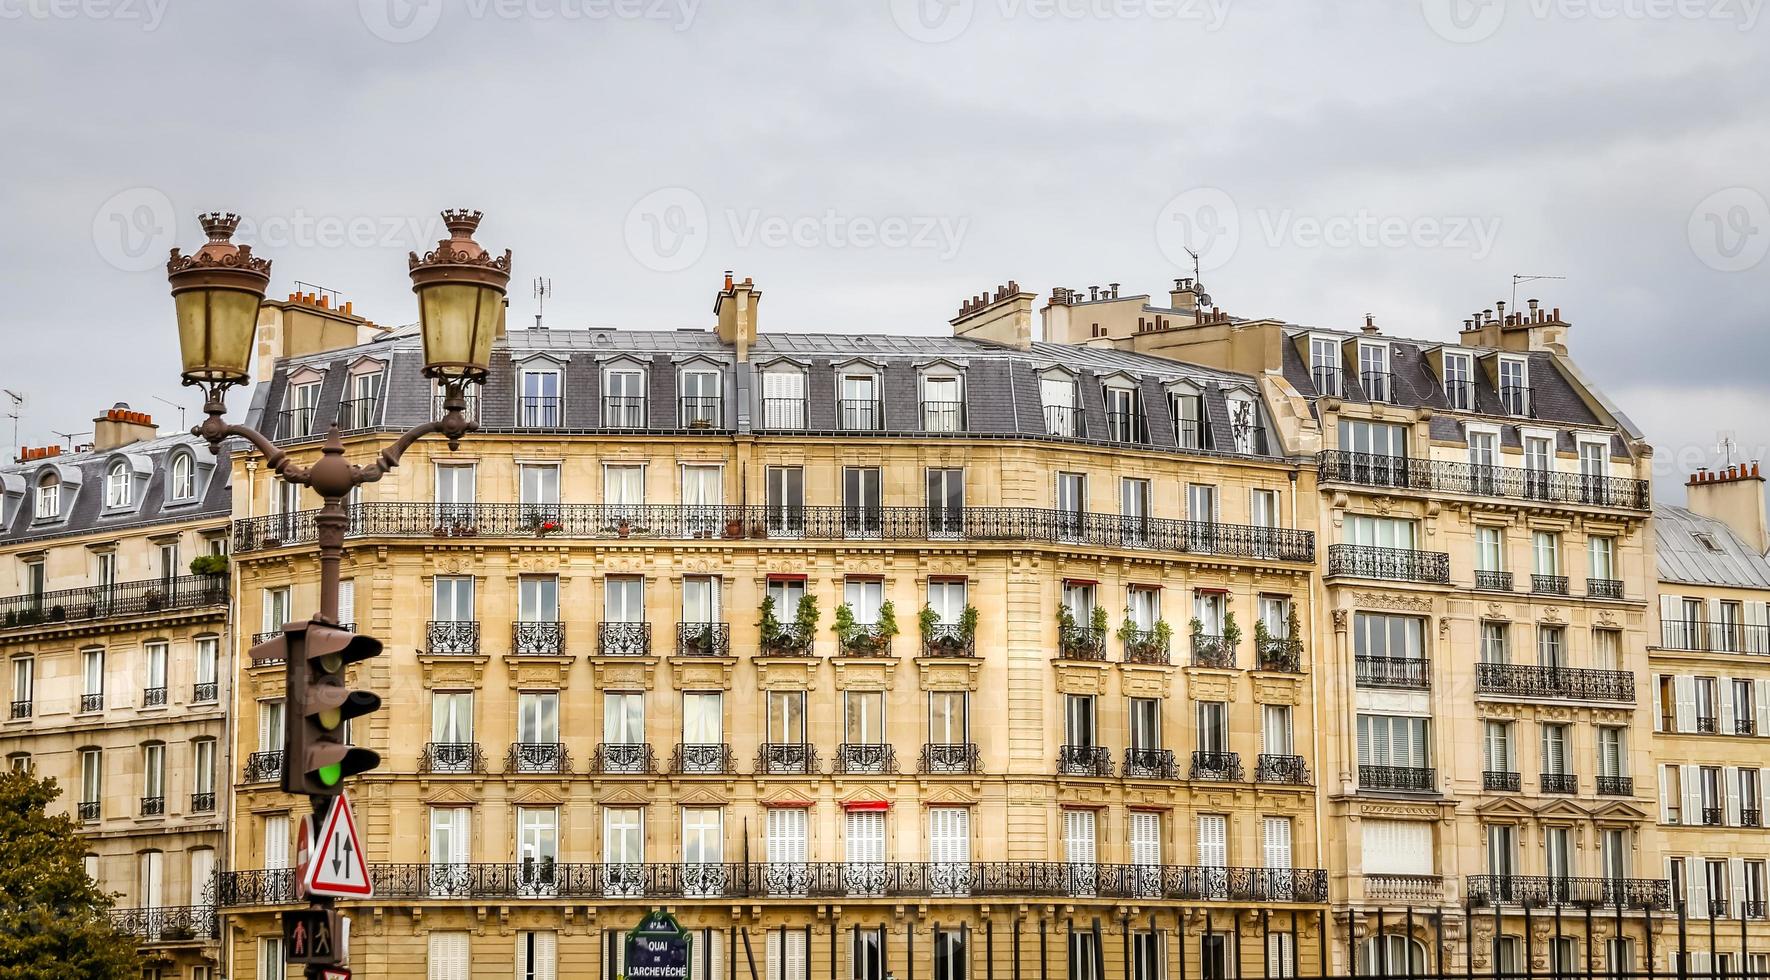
<point>1408,778</point>
<point>264,767</point>
<point>1150,764</point>
<point>1084,760</point>
<point>202,802</point>
<point>1081,643</point>
<point>1212,651</point>
<point>1406,672</point>
<point>703,639</point>
<point>1326,378</point>
<point>1703,636</point>
<point>153,806</point>
<point>702,759</point>
<point>1751,816</point>
<point>860,415</point>
<point>153,697</point>
<point>1277,656</point>
<point>866,640</point>
<point>91,702</point>
<point>1518,401</point>
<point>537,639</point>
<point>203,692</point>
<point>1745,726</point>
<point>943,416</point>
<point>166,924</point>
<point>701,411</point>
<point>654,522</point>
<point>1604,588</point>
<point>1616,786</point>
<point>624,412</point>
<point>1379,386</point>
<point>624,759</point>
<point>1544,891</point>
<point>1549,584</point>
<point>1491,581</point>
<point>950,758</point>
<point>20,709</point>
<point>783,414</point>
<point>793,640</point>
<point>1216,766</point>
<point>1066,422</point>
<point>1393,564</point>
<point>1574,683</point>
<point>1445,476</point>
<point>89,810</point>
<point>100,602</point>
<point>438,411</point>
<point>1501,781</point>
<point>451,758</point>
<point>541,757</point>
<point>1712,816</point>
<point>865,758</point>
<point>1146,647</point>
<point>359,413</point>
<point>1289,770</point>
<point>1128,427</point>
<point>452,636</point>
<point>786,759</point>
<point>1411,889</point>
<point>594,883</point>
<point>295,423</point>
<point>1559,782</point>
<point>948,640</point>
<point>624,639</point>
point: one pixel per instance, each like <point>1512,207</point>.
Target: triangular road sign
<point>337,867</point>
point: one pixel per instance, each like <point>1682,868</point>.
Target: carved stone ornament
<point>1391,600</point>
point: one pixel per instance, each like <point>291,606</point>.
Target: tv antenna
<point>16,411</point>
<point>1516,279</point>
<point>543,289</point>
<point>181,425</point>
<point>1200,298</point>
<point>70,436</point>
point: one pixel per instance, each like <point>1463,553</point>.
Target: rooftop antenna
<point>1200,298</point>
<point>181,425</point>
<point>1726,445</point>
<point>1516,279</point>
<point>543,289</point>
<point>70,436</point>
<point>16,412</point>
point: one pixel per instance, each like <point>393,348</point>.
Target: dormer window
<point>117,489</point>
<point>943,406</point>
<point>1124,420</point>
<point>1063,413</point>
<point>1459,380</point>
<point>783,398</point>
<point>623,398</point>
<point>1244,424</point>
<point>362,409</point>
<point>1190,430</point>
<point>702,399</point>
<point>49,497</point>
<point>1324,365</point>
<point>183,477</point>
<point>1515,386</point>
<point>1373,372</point>
<point>860,407</point>
<point>302,402</point>
<point>538,405</point>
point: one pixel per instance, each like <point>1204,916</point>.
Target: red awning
<point>866,806</point>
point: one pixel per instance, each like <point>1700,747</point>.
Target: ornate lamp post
<point>217,291</point>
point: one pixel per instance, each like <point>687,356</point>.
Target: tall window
<point>363,401</point>
<point>455,494</point>
<point>24,685</point>
<point>864,717</point>
<point>537,717</point>
<point>1497,747</point>
<point>91,778</point>
<point>537,955</point>
<point>1190,429</point>
<point>1514,386</point>
<point>449,957</point>
<point>943,409</point>
<point>786,717</point>
<point>539,485</point>
<point>862,507</point>
<point>1490,549</point>
<point>1602,551</point>
<point>1124,421</point>
<point>1494,642</point>
<point>1078,720</point>
<point>703,717</point>
<point>623,599</point>
<point>1324,365</point>
<point>154,684</point>
<point>948,718</point>
<point>538,599</point>
<point>48,497</point>
<point>1063,414</point>
<point>302,401</point>
<point>117,489</point>
<point>622,839</point>
<point>451,717</point>
<point>1263,508</point>
<point>1613,762</point>
<point>700,599</point>
<point>184,479</point>
<point>1072,504</point>
<point>153,777</point>
<point>864,597</point>
<point>623,487</point>
<point>623,718</point>
<point>786,501</point>
<point>1213,727</point>
<point>1459,381</point>
<point>860,408</point>
<point>946,502</point>
<point>203,774</point>
<point>623,399</point>
<point>701,400</point>
<point>783,399</point>
<point>92,677</point>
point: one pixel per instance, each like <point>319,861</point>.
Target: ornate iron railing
<point>1491,581</point>
<point>786,759</point>
<point>153,697</point>
<point>264,767</point>
<point>1616,786</point>
<point>1081,643</point>
<point>1541,890</point>
<point>1146,647</point>
<point>1412,778</point>
<point>451,758</point>
<point>948,640</point>
<point>153,806</point>
<point>1576,683</point>
<point>1216,766</point>
<point>1065,422</point>
<point>1413,889</point>
<point>551,881</point>
<point>624,758</point>
<point>1444,476</point>
<point>1604,588</point>
<point>950,758</point>
<point>657,522</point>
<point>1150,764</point>
<point>100,602</point>
<point>1084,760</point>
<point>865,758</point>
<point>624,639</point>
<point>1714,637</point>
<point>1277,655</point>
<point>452,636</point>
<point>167,924</point>
<point>89,809</point>
<point>20,709</point>
<point>1501,780</point>
<point>867,640</point>
<point>1408,672</point>
<point>1751,816</point>
<point>793,640</point>
<point>202,802</point>
<point>703,639</point>
<point>1559,782</point>
<point>1549,584</point>
<point>702,759</point>
<point>1289,770</point>
<point>91,702</point>
<point>1211,651</point>
<point>537,639</point>
<point>1391,564</point>
<point>538,757</point>
<point>204,691</point>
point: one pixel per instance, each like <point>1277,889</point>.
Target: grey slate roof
<point>1685,557</point>
<point>85,511</point>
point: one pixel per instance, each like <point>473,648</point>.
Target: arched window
<point>116,485</point>
<point>49,495</point>
<point>184,481</point>
<point>1391,955</point>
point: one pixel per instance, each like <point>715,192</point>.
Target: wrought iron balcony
<point>89,810</point>
<point>1081,643</point>
<point>451,758</point>
<point>867,640</point>
<point>1544,891</point>
<point>860,414</point>
<point>204,691</point>
<point>538,639</point>
<point>1065,422</point>
<point>1212,651</point>
<point>657,522</point>
<point>167,924</point>
<point>116,601</point>
<point>948,640</point>
<point>1712,816</point>
<point>783,414</point>
<point>1559,782</point>
<point>1549,584</point>
<point>1706,725</point>
<point>153,697</point>
<point>1616,786</point>
<point>1405,672</point>
<point>91,702</point>
<point>624,412</point>
<point>1703,636</point>
<point>20,709</point>
<point>1084,760</point>
<point>1379,386</point>
<point>702,759</point>
<point>943,416</point>
<point>1517,400</point>
<point>295,423</point>
<point>1277,655</point>
<point>153,806</point>
<point>1443,476</point>
<point>793,640</point>
<point>452,637</point>
<point>1216,766</point>
<point>1146,647</point>
<point>703,639</point>
<point>1150,764</point>
<point>624,639</point>
<point>538,757</point>
<point>359,413</point>
<point>593,883</point>
<point>624,758</point>
<point>1604,588</point>
<point>701,412</point>
<point>202,802</point>
<point>1128,427</point>
<point>1574,683</point>
<point>1751,816</point>
<point>865,758</point>
<point>438,411</point>
<point>1411,889</point>
<point>1491,581</point>
<point>1407,778</point>
<point>949,758</point>
<point>1752,909</point>
<point>1326,379</point>
<point>1391,564</point>
<point>264,767</point>
<point>1289,770</point>
<point>1745,726</point>
<point>1502,781</point>
<point>786,759</point>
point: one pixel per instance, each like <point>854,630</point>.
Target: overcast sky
<point>872,162</point>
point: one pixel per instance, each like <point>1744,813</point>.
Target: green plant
<point>887,625</point>
<point>1262,635</point>
<point>805,617</point>
<point>1098,621</point>
<point>1163,633</point>
<point>968,623</point>
<point>1231,632</point>
<point>927,619</point>
<point>770,628</point>
<point>1293,640</point>
<point>844,626</point>
<point>1128,630</point>
<point>1066,620</point>
<point>1196,626</point>
<point>209,565</point>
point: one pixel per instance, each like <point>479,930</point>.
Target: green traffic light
<point>330,775</point>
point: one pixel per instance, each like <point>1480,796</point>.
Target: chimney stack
<point>1735,497</point>
<point>736,309</point>
<point>1184,295</point>
<point>121,426</point>
<point>1000,316</point>
<point>1370,323</point>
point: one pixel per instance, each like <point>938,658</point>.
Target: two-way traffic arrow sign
<point>337,867</point>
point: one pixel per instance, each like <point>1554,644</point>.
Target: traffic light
<point>316,758</point>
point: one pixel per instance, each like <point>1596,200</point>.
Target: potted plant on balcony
<point>1145,646</point>
<point>209,565</point>
<point>1231,634</point>
<point>777,638</point>
<point>153,599</point>
<point>734,527</point>
<point>701,641</point>
<point>863,641</point>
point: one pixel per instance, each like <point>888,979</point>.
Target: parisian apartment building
<point>1098,636</point>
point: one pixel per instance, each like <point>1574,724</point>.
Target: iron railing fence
<point>452,757</point>
<point>786,759</point>
<point>702,759</point>
<point>1543,891</point>
<point>865,758</point>
<point>782,414</point>
<point>948,640</point>
<point>950,758</point>
<point>624,639</point>
<point>455,636</point>
<point>703,639</point>
<point>1216,766</point>
<point>1488,580</point>
<point>1150,764</point>
<point>1418,779</point>
<point>1393,564</point>
<point>1534,681</point>
<point>537,639</point>
<point>1081,643</point>
<point>1474,479</point>
<point>1705,636</point>
<point>1084,760</point>
<point>264,767</point>
<point>538,757</point>
<point>1290,770</point>
<point>760,522</point>
<point>624,758</point>
<point>166,924</point>
<point>1146,647</point>
<point>1370,670</point>
<point>114,601</point>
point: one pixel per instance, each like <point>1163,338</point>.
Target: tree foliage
<point>53,921</point>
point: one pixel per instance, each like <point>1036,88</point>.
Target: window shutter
<point>1756,620</point>
<point>1684,688</point>
<point>276,841</point>
<point>1671,615</point>
<point>1717,630</point>
<point>1736,877</point>
<point>347,601</point>
<point>448,956</point>
<point>1364,741</point>
<point>1689,777</point>
<point>542,963</point>
<point>1146,840</point>
<point>1730,782</point>
<point>1762,690</point>
<point>1697,876</point>
<point>1277,838</point>
<point>1724,692</point>
<point>1659,710</point>
<point>786,835</point>
<point>1078,836</point>
<point>1213,844</point>
<point>1665,797</point>
<point>949,835</point>
<point>773,954</point>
